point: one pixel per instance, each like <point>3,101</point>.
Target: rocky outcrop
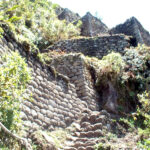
<point>68,15</point>
<point>133,27</point>
<point>92,26</point>
<point>59,10</point>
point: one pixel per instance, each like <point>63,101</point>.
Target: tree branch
<point>23,141</point>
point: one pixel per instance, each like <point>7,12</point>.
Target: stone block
<point>40,116</point>
<point>43,111</point>
<point>26,109</point>
<point>52,103</point>
<point>49,114</point>
<point>33,83</point>
<point>34,113</point>
<point>36,108</point>
<point>51,108</point>
<point>47,120</point>
<point>39,122</point>
<point>39,78</point>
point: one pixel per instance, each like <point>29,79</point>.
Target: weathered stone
<point>43,111</point>
<point>133,28</point>
<point>68,15</point>
<point>37,109</point>
<point>26,109</point>
<point>23,116</point>
<point>38,122</point>
<point>10,45</point>
<point>39,78</point>
<point>53,103</point>
<point>34,84</point>
<point>40,116</point>
<point>34,113</point>
<point>49,114</point>
<point>47,120</point>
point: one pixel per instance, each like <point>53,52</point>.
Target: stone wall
<point>97,46</point>
<point>58,99</point>
<point>75,67</point>
<point>133,27</point>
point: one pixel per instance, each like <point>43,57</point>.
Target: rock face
<point>59,10</point>
<point>133,28</point>
<point>68,15</point>
<point>110,96</point>
<point>92,26</point>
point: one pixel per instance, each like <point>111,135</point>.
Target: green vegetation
<point>110,67</point>
<point>35,22</point>
<point>14,76</point>
<point>41,139</point>
<point>59,137</point>
<point>102,146</point>
<point>129,74</point>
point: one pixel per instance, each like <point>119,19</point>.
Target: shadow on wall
<point>133,42</point>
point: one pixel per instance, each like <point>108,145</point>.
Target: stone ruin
<point>92,26</point>
<point>64,92</point>
<point>68,15</point>
<point>133,27</point>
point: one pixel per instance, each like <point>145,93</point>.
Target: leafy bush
<point>14,76</point>
<point>110,67</point>
<point>142,120</point>
<point>36,22</point>
<point>102,146</point>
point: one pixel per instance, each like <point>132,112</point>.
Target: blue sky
<point>112,12</point>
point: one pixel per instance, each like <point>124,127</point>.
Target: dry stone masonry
<point>99,127</point>
<point>133,27</point>
<point>92,26</point>
<point>64,91</point>
<point>68,15</point>
<point>75,67</point>
<point>97,46</point>
<point>60,92</point>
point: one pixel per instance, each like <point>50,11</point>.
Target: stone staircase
<point>89,129</point>
<point>95,127</point>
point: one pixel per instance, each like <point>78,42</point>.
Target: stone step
<point>96,126</point>
<point>70,148</point>
<point>93,127</point>
<point>82,148</point>
<point>84,144</point>
<point>85,124</point>
<point>91,134</point>
<point>90,148</point>
<point>82,139</point>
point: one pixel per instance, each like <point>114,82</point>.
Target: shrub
<point>14,76</point>
<point>37,22</point>
<point>110,67</point>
